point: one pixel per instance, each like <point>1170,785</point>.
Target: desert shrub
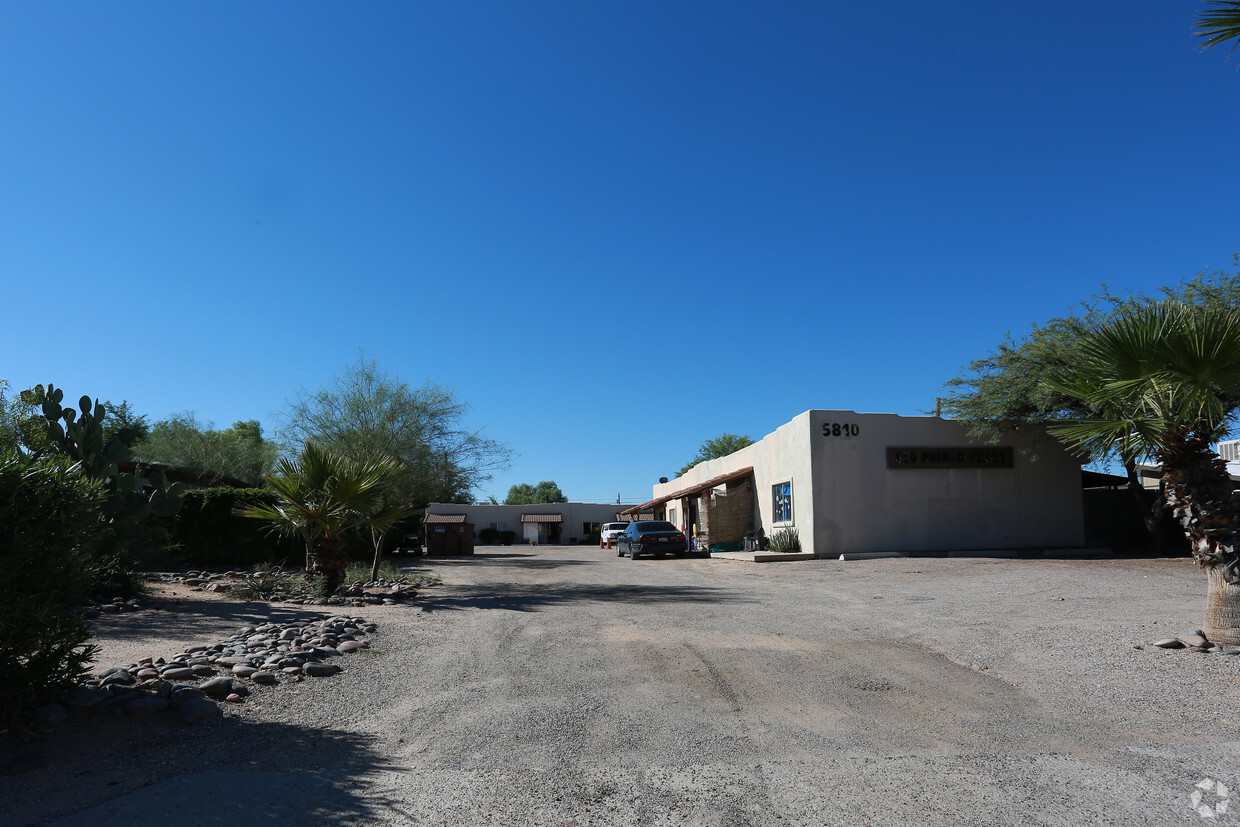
<point>507,537</point>
<point>267,579</point>
<point>49,531</point>
<point>359,572</point>
<point>786,541</point>
<point>488,536</point>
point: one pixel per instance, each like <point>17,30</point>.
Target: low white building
<point>544,524</point>
<point>850,482</point>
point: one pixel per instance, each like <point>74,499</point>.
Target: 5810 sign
<point>834,429</point>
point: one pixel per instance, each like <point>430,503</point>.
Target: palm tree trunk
<point>1222,623</point>
<point>330,561</point>
<point>1200,496</point>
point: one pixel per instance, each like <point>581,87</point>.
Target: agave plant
<point>786,541</point>
<point>322,497</point>
<point>1166,379</point>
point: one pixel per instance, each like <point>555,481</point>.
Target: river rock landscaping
<point>190,683</point>
<point>1195,641</point>
<point>275,584</point>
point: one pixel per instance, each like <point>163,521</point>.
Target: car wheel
<point>632,553</point>
<point>619,551</point>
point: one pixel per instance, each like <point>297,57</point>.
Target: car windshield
<point>654,526</point>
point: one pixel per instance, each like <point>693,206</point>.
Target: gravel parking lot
<point>566,686</point>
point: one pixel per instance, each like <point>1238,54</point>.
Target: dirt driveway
<point>565,686</point>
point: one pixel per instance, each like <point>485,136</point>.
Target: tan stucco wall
<point>845,499</point>
<point>862,505</point>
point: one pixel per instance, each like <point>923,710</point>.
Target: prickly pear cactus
<point>79,434</point>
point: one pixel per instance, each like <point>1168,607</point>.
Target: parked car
<point>410,544</point>
<point>612,531</point>
<point>651,537</point>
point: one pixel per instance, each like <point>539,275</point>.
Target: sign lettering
<point>984,457</point>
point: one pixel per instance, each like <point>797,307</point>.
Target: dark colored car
<point>651,537</point>
<point>411,544</point>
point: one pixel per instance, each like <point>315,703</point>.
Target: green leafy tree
<point>720,446</point>
<point>22,427</point>
<point>49,524</point>
<point>1219,23</point>
<point>1006,388</point>
<point>239,452</point>
<point>323,497</point>
<point>1162,382</point>
<point>367,413</point>
<point>525,494</point>
<point>122,415</point>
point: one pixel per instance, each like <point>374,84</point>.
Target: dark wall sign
<point>990,457</point>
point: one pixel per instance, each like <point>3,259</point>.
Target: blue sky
<point>615,229</point>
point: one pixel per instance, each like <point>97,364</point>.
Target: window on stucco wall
<point>781,499</point>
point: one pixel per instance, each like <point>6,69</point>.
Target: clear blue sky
<point>615,229</point>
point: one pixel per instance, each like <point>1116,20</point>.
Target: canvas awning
<point>542,518</point>
<point>713,482</point>
<point>444,518</point>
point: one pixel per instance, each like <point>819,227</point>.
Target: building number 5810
<point>840,429</point>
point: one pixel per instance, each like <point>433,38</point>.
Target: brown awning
<point>444,518</point>
<point>713,482</point>
<point>542,518</point>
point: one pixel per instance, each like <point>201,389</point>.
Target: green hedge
<point>207,532</point>
<point>49,534</point>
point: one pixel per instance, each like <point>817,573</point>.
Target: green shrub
<point>786,541</point>
<point>49,530</point>
<point>207,531</point>
<point>488,536</point>
<point>507,537</point>
<point>359,572</point>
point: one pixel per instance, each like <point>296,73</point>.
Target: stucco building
<point>861,482</point>
<point>544,523</point>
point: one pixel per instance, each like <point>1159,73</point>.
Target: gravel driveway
<point>566,686</point>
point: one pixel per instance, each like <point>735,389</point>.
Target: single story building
<point>852,482</point>
<point>542,524</point>
<point>1228,451</point>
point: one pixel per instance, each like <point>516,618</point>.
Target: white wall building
<point>850,482</point>
<point>544,524</point>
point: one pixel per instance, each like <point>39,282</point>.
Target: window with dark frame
<point>781,497</point>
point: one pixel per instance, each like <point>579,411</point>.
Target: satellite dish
<point>662,480</point>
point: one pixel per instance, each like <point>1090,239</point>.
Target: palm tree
<point>1220,24</point>
<point>321,497</point>
<point>1165,380</point>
